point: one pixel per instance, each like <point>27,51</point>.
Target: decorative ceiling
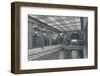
<point>62,23</point>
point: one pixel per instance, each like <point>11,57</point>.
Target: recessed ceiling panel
<point>62,23</point>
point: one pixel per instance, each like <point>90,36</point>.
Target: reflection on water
<point>62,54</point>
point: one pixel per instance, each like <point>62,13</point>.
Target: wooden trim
<point>12,38</point>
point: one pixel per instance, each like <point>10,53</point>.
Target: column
<point>58,38</point>
<point>50,39</point>
<point>30,29</point>
<point>84,28</point>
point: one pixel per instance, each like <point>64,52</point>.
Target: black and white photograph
<point>52,37</point>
